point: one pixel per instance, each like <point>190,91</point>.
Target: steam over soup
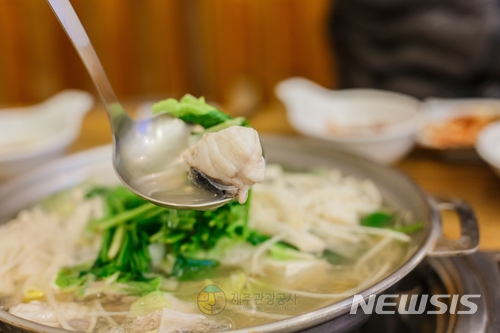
<point>101,259</point>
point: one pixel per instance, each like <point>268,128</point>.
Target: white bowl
<point>488,145</point>
<point>385,123</point>
<point>32,135</point>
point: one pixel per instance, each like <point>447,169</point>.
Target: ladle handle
<point>74,29</point>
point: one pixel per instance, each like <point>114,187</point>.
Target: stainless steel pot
<point>397,189</point>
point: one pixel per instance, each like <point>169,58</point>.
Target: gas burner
<point>476,274</point>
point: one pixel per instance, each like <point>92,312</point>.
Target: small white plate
<point>437,112</point>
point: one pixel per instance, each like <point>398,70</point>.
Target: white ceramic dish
<point>488,146</point>
<point>34,134</point>
<point>378,125</point>
<point>437,111</point>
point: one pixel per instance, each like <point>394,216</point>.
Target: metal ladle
<point>146,154</point>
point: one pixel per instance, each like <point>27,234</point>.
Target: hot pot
<point>397,189</point>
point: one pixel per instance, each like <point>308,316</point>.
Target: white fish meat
<point>231,157</point>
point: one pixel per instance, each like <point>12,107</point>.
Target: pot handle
<point>468,241</point>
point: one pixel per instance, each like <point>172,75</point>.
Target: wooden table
<point>471,181</point>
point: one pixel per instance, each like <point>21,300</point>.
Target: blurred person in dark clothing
<point>442,48</point>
